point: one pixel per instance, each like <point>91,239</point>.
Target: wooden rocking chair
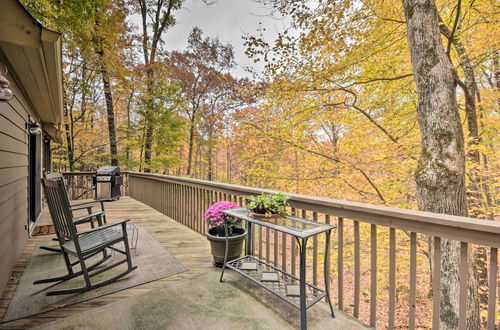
<point>83,245</point>
<point>99,216</point>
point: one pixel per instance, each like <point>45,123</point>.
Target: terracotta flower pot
<point>263,216</point>
<point>218,245</point>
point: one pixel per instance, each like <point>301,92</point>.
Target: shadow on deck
<point>179,301</point>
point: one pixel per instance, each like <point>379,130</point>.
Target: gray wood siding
<point>14,168</point>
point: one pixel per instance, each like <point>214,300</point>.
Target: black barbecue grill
<point>107,181</point>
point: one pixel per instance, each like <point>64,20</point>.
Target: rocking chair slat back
<point>59,207</point>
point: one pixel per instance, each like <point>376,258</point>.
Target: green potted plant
<point>267,206</point>
<point>216,234</point>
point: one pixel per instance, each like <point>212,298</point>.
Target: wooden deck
<point>189,247</point>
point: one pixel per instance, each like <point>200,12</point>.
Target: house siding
<point>14,171</point>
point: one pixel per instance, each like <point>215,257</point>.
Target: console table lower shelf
<point>275,280</point>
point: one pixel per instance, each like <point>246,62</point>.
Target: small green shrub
<point>267,204</point>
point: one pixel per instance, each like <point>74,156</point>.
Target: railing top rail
<point>343,207</point>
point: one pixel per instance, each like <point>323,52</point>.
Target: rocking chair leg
<point>84,271</point>
<point>127,248</point>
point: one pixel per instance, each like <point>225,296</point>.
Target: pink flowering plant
<point>215,217</point>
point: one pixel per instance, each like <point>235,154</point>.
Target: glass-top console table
<point>292,289</point>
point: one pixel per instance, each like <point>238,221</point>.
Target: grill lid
<point>108,170</point>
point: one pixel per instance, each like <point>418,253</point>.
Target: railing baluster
<point>192,221</point>
<point>268,247</point>
<point>161,198</point>
<point>356,269</point>
<point>79,191</point>
<point>184,208</point>
<point>373,275</point>
<point>158,196</point>
<point>315,253</point>
<point>201,210</point>
<point>177,198</point>
<point>173,198</point>
<point>492,288</point>
<point>283,251</point>
<point>436,283</point>
<point>254,239</point>
<point>183,201</point>
<point>190,207</point>
<point>413,279</point>
<point>170,200</point>
<point>206,204</point>
<point>293,264</point>
<point>261,241</point>
<point>276,248</point>
<point>340,262</point>
<point>463,274</point>
<point>194,202</point>
<point>187,205</point>
<point>392,278</point>
<point>88,187</point>
<point>167,197</point>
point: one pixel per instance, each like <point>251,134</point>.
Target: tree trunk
<point>470,90</point>
<point>110,112</point>
<point>190,149</point>
<point>475,199</point>
<point>440,176</point>
<point>148,145</point>
<point>69,146</point>
<point>129,124</point>
<point>210,155</point>
<point>69,132</point>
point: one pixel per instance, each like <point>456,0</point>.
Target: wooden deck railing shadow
<point>390,238</point>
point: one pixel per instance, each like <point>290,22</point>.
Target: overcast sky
<point>228,20</point>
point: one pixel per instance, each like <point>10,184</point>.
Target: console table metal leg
<point>225,253</point>
<point>303,301</point>
<point>249,239</point>
<point>327,270</point>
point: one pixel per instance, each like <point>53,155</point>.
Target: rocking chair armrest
<point>88,216</point>
<point>121,222</point>
<point>100,201</point>
<point>82,208</point>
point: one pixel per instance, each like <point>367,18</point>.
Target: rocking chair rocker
<point>83,245</point>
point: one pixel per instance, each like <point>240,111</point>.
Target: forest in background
<point>334,114</point>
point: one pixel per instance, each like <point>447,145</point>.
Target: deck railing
<point>393,241</point>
